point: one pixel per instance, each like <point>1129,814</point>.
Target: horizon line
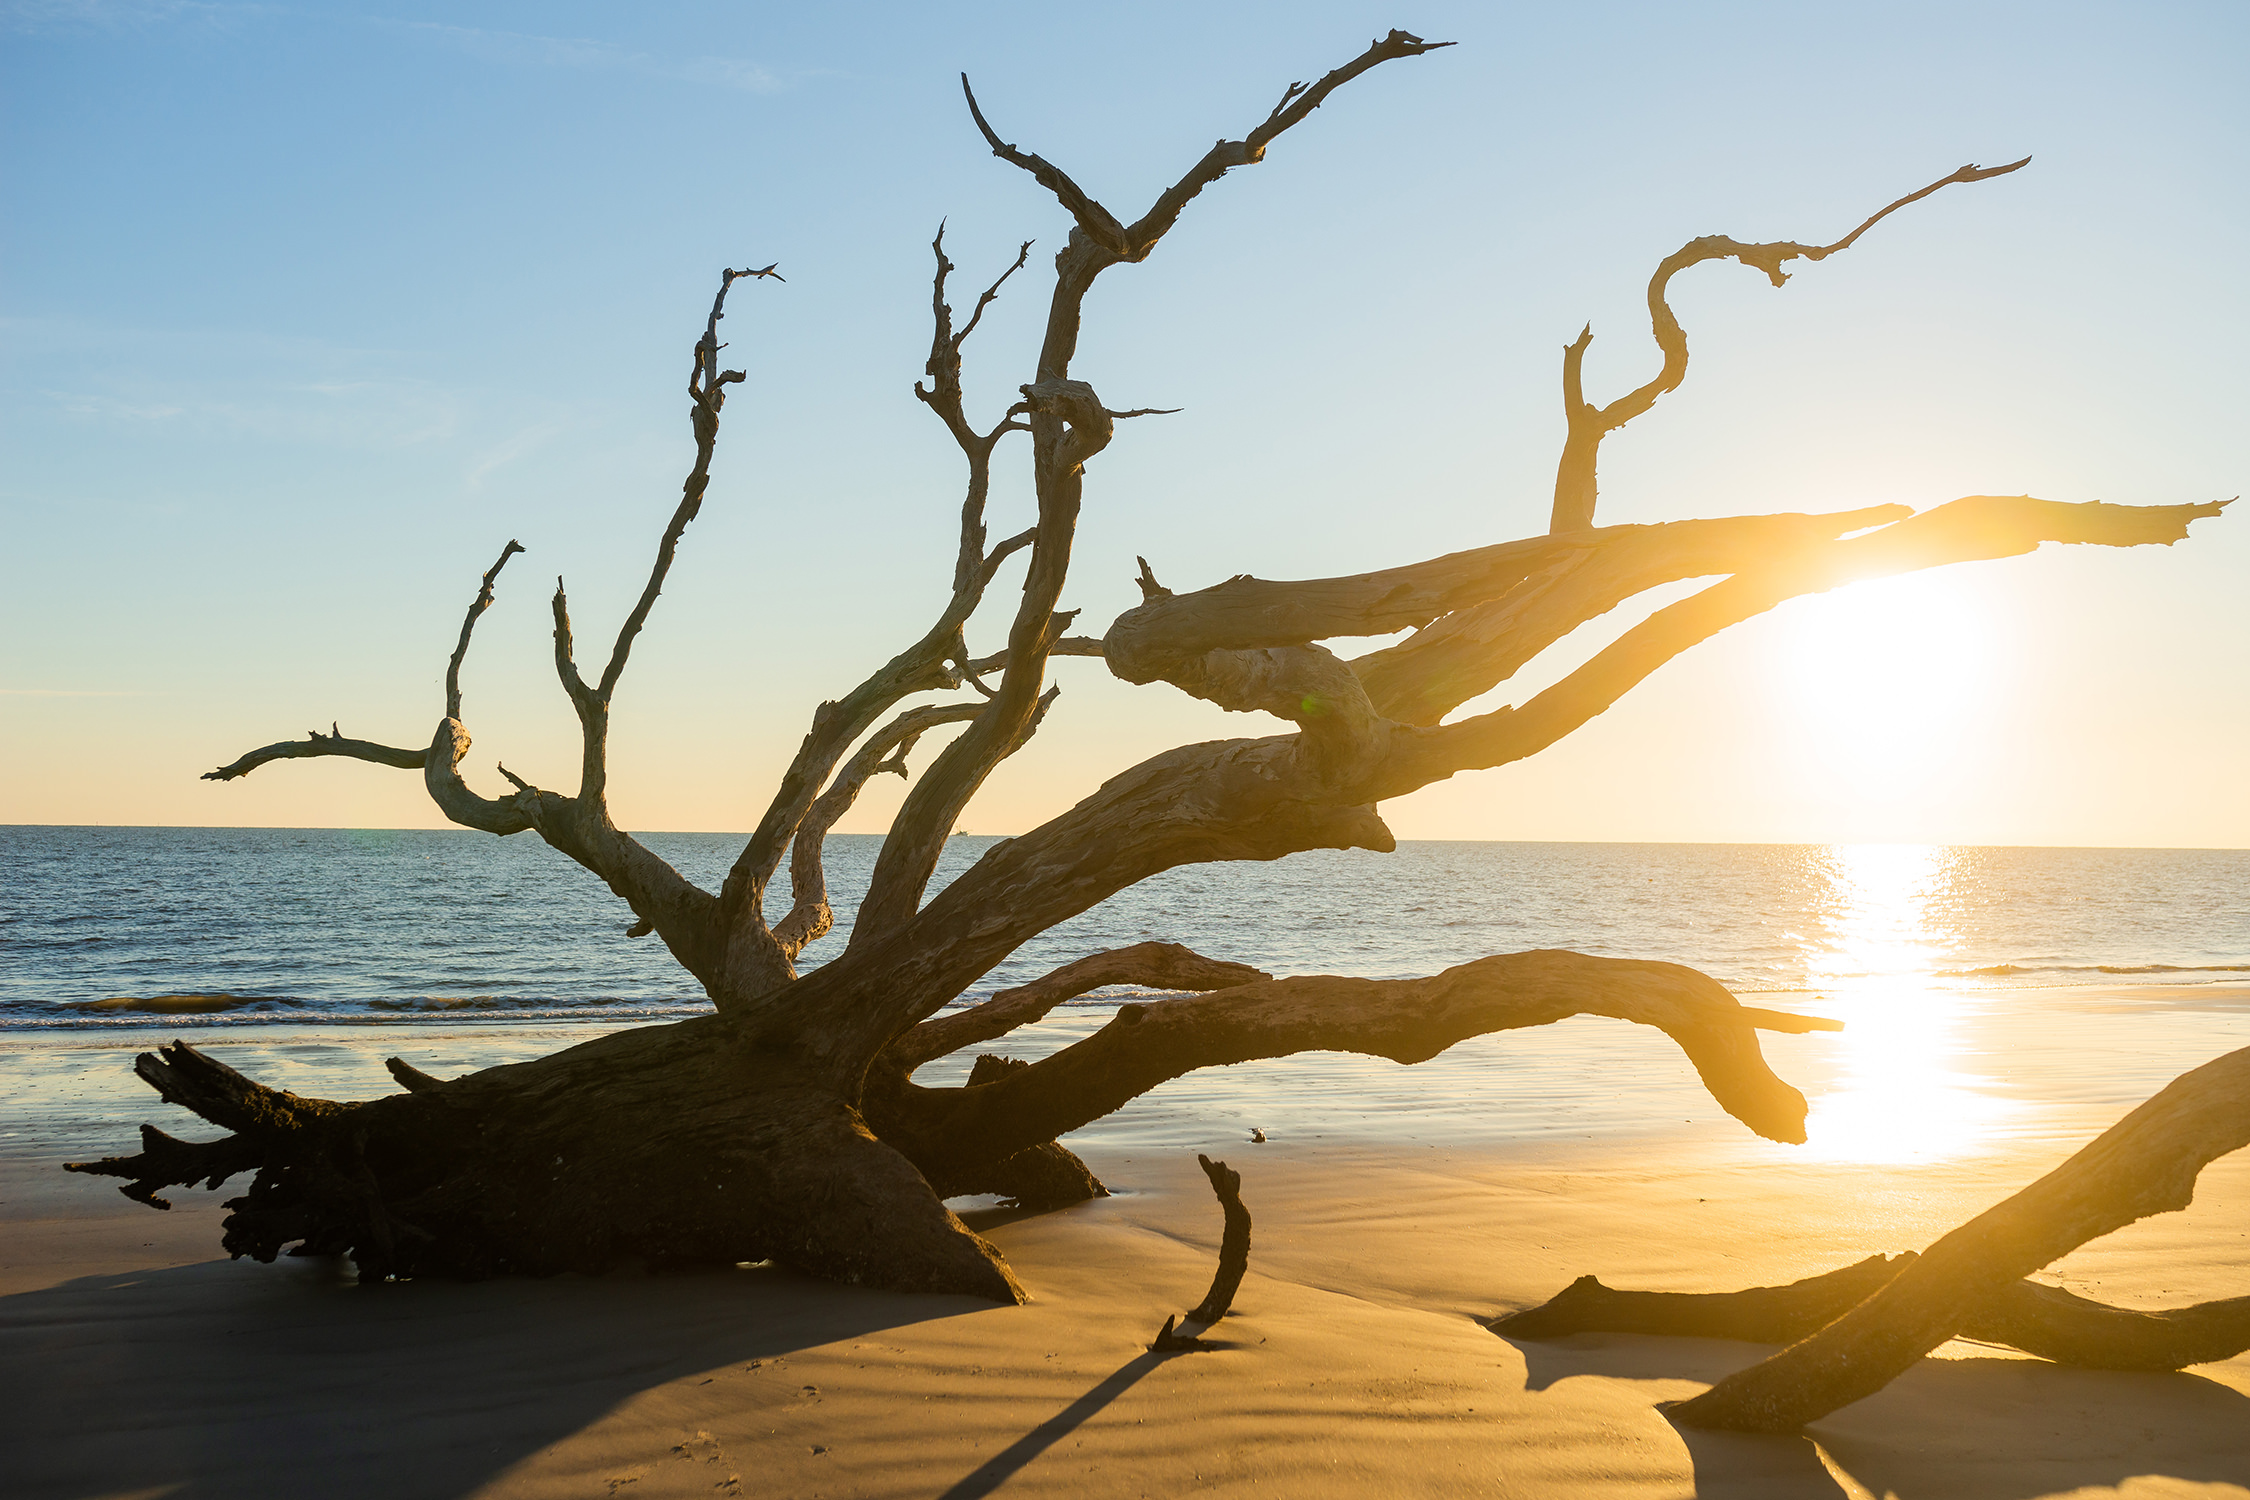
<point>745,833</point>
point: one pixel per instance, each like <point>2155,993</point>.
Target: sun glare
<point>1901,1092</point>
<point>1887,678</point>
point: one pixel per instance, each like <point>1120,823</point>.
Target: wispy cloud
<point>522,49</point>
<point>360,414</point>
<point>515,48</point>
<point>507,451</point>
<point>59,17</point>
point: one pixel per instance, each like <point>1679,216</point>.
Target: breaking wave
<point>2005,971</point>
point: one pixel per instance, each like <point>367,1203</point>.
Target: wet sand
<point>136,1363</point>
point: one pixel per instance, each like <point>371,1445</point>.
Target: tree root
<point>1234,1259</point>
<point>2038,1319</point>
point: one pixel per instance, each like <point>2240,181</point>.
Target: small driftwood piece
<point>2146,1163</point>
<point>2042,1320</point>
<point>1234,1259</point>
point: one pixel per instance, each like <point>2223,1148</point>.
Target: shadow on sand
<point>221,1380</point>
<point>1996,1428</point>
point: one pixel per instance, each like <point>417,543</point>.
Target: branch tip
<point>1150,588</point>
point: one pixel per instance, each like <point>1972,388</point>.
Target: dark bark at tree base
<point>675,1145</point>
<point>1041,1176</point>
<point>2038,1319</point>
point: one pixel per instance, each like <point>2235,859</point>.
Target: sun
<point>1889,681</point>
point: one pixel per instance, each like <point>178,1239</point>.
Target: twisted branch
<point>1069,424</point>
<point>2146,1163</point>
<point>1588,424</point>
<point>809,916</point>
<point>1405,1020</point>
<point>1160,966</point>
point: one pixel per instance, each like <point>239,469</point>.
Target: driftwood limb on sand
<point>2043,1320</point>
<point>1853,1331</point>
<point>1234,1259</point>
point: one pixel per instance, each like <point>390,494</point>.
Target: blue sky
<point>308,309</point>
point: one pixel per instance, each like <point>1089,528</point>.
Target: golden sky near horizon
<point>252,495</point>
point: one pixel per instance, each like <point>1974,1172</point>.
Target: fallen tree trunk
<point>2146,1163</point>
<point>787,1125</point>
<point>672,1145</point>
<point>2038,1319</point>
<point>700,1143</point>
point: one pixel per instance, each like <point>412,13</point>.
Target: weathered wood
<point>1758,1315</point>
<point>2146,1163</point>
<point>316,744</point>
<point>1406,1020</point>
<point>2073,1330</point>
<point>1589,424</point>
<point>1163,966</point>
<point>2028,1315</point>
<point>1179,1335</point>
<point>786,1125</point>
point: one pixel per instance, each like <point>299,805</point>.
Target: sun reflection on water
<point>1901,1092</point>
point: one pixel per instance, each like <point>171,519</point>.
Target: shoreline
<point>141,1363</point>
<point>1353,1365</point>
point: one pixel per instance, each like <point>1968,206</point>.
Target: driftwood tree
<point>786,1124</point>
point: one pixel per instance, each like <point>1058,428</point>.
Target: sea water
<point>308,954</point>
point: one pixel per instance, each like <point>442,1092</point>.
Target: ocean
<point>311,953</point>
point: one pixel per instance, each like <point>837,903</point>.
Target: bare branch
<point>1970,173</point>
<point>1297,103</point>
<point>990,566</point>
<point>1099,241</point>
<point>1575,475</point>
<point>1406,1020</point>
<point>708,389</point>
<point>1247,644</point>
<point>1069,645</point>
<point>2042,1320</point>
<point>1474,648</point>
<point>809,916</point>
<point>2146,1163</point>
<point>1069,425</point>
<point>1162,966</point>
<point>478,606</point>
<point>971,569</point>
<point>314,744</point>
<point>923,666</point>
<point>1970,529</point>
<point>1234,1260</point>
<point>1094,221</point>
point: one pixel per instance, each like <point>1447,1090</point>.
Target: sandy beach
<point>138,1362</point>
